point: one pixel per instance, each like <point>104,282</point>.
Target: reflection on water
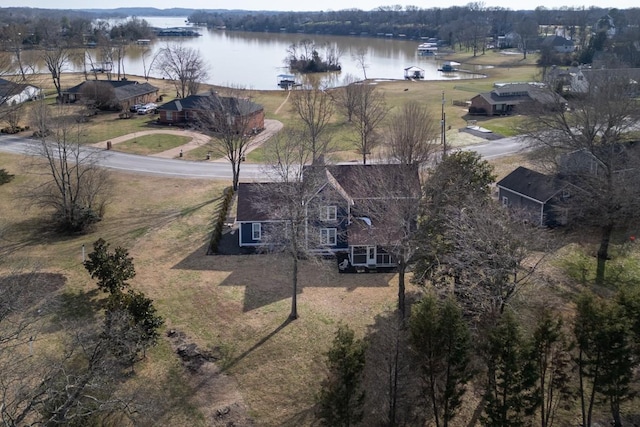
<point>253,60</point>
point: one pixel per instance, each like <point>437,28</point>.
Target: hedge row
<point>227,196</point>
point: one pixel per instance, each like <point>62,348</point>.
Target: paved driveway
<point>271,127</point>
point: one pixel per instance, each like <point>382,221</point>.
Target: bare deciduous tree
<point>586,142</point>
<point>100,94</point>
<point>183,65</point>
<point>345,96</point>
<point>228,119</point>
<point>392,208</point>
<point>314,107</point>
<point>76,384</point>
<point>370,111</point>
<point>57,59</point>
<point>360,56</point>
<point>74,187</point>
<point>148,68</point>
<point>411,134</point>
<point>287,198</point>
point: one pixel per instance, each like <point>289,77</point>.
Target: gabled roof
<point>532,184</point>
<point>552,41</point>
<point>354,182</point>
<point>514,94</point>
<point>252,198</point>
<point>213,101</point>
<point>633,74</point>
<point>9,88</point>
<point>124,89</point>
<point>364,181</point>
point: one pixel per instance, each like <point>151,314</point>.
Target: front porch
<point>365,258</point>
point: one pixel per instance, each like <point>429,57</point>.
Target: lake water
<point>253,60</point>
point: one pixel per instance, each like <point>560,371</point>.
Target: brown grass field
<point>268,369</point>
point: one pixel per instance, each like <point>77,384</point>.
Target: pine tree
<point>511,376</point>
<point>342,397</point>
<point>442,342</point>
<point>550,351</point>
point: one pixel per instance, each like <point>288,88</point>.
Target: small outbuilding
<point>414,73</point>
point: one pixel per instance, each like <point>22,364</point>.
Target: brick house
<point>185,111</point>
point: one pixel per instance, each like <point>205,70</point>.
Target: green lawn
<point>151,144</point>
<point>107,126</point>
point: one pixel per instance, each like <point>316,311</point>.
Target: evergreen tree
<point>607,355</point>
<point>341,398</point>
<point>131,320</point>
<point>111,269</point>
<point>441,340</point>
<point>511,376</point>
<point>550,351</point>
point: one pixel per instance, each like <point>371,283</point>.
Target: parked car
<point>134,108</point>
<point>147,108</point>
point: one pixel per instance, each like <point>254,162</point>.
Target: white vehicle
<point>147,108</point>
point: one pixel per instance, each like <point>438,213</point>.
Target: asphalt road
<point>215,170</point>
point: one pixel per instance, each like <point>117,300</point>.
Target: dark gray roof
<point>9,88</point>
<point>551,41</point>
<point>373,180</point>
<point>532,184</point>
<point>514,94</point>
<point>357,181</point>
<point>124,89</point>
<point>132,91</point>
<point>252,198</point>
<point>212,101</point>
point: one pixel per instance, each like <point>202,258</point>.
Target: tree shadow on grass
<point>31,231</point>
<point>257,345</point>
<point>79,305</point>
<point>266,278</point>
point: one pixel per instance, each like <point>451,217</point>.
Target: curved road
<point>217,169</point>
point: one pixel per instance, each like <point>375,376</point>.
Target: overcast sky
<point>303,5</point>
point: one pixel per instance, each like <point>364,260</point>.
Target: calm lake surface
<point>253,60</point>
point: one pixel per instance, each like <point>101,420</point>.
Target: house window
<point>505,201</point>
<point>256,231</point>
<point>169,116</point>
<point>359,255</point>
<point>328,236</point>
<point>329,213</point>
<point>565,194</point>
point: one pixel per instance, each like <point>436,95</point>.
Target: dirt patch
<point>215,393</point>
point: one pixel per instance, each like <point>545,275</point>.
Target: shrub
<point>227,196</point>
<point>5,177</point>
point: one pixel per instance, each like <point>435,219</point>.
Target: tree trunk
<point>615,412</point>
<point>294,296</point>
<point>235,167</point>
<point>401,302</point>
<point>603,253</point>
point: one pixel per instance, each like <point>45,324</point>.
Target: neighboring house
<point>559,44</point>
<point>339,212</point>
<point>124,93</point>
<point>542,197</point>
<point>511,39</point>
<point>585,77</point>
<point>560,78</point>
<point>505,99</point>
<point>185,111</point>
<point>12,93</point>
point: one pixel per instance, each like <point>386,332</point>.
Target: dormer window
<point>329,213</point>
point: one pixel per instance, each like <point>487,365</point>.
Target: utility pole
<point>443,130</point>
